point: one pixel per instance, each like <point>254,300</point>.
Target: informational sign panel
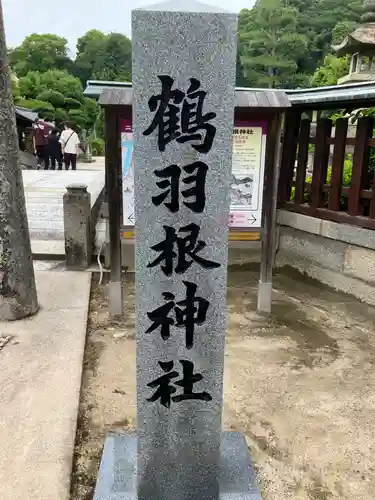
<point>249,148</point>
<point>127,172</point>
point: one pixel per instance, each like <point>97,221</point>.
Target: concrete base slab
<point>117,478</point>
<point>40,380</point>
<point>115,294</point>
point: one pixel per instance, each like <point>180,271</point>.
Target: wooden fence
<point>341,185</point>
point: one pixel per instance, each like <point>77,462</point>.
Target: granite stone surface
<point>117,478</point>
<point>77,227</point>
<point>178,446</point>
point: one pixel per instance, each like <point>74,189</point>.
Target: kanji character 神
<point>189,312</point>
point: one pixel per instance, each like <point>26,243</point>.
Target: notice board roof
<point>116,93</point>
<point>351,95</point>
<point>354,95</point>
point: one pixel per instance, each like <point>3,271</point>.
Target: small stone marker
<point>77,227</point>
<point>184,67</point>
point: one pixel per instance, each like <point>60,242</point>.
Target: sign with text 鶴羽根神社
<point>182,128</point>
<point>177,163</point>
<point>249,146</point>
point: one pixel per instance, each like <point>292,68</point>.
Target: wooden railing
<point>341,185</point>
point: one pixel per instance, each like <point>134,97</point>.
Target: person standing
<point>40,134</point>
<point>69,141</point>
<point>54,150</point>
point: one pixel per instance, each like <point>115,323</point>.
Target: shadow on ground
<point>301,386</point>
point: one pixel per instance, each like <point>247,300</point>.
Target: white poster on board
<point>249,148</point>
<point>249,144</point>
<point>127,173</point>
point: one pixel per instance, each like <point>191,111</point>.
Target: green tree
<point>270,46</point>
<point>58,96</point>
<point>317,19</point>
<point>333,68</point>
<point>283,42</point>
<point>55,98</point>
<point>40,53</point>
<point>90,54</point>
<point>103,57</point>
<point>59,81</point>
<point>16,94</point>
<point>117,64</point>
<point>341,30</point>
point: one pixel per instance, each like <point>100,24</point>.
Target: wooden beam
<point>114,196</point>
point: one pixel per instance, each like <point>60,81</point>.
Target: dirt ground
<point>300,386</point>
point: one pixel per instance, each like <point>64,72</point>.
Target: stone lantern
<point>361,46</point>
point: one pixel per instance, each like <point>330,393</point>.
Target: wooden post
<point>361,158</point>
<point>114,196</point>
<point>338,164</point>
<point>303,155</point>
<point>269,215</point>
<point>321,158</point>
<point>289,150</point>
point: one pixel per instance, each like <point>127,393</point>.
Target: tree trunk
<point>18,297</point>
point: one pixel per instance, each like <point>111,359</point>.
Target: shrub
<point>55,98</point>
<point>346,174</point>
<point>97,147</point>
<point>346,180</point>
<point>34,104</point>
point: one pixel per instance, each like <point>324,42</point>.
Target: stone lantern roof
<point>363,38</point>
<point>361,46</point>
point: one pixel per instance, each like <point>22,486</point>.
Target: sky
<point>73,18</point>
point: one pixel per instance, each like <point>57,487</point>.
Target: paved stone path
<point>40,379</point>
<point>44,203</point>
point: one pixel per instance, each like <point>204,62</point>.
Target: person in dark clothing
<point>40,134</point>
<point>54,150</point>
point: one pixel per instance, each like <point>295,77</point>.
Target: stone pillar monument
<point>184,67</point>
<point>18,297</point>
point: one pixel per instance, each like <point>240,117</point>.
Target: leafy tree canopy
<point>270,46</point>
<point>283,42</point>
<point>61,95</point>
<point>59,81</point>
<point>332,69</point>
<point>103,57</point>
<point>40,53</point>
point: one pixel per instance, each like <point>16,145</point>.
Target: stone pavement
<point>40,379</point>
<point>44,203</point>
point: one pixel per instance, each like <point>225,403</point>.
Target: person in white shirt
<point>69,141</point>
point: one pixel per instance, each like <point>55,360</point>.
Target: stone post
<point>87,153</point>
<point>18,297</point>
<point>184,70</point>
<point>184,66</point>
<point>77,227</point>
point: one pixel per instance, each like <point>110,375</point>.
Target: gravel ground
<point>301,386</point>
